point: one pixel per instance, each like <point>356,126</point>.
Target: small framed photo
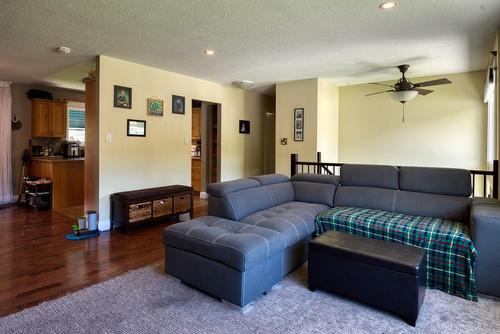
<point>155,107</point>
<point>178,105</point>
<point>122,97</point>
<point>244,127</point>
<point>136,128</point>
<point>298,124</point>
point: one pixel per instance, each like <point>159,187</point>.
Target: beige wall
<point>290,95</point>
<point>163,156</point>
<point>445,128</point>
<point>21,108</point>
<point>256,107</point>
<point>328,121</point>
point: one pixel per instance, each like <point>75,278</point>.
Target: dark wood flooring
<point>37,263</point>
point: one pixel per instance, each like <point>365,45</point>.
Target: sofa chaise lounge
<point>258,229</point>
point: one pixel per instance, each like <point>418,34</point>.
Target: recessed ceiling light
<point>388,5</point>
<point>209,52</point>
<point>63,49</point>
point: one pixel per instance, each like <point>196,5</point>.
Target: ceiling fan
<point>404,90</point>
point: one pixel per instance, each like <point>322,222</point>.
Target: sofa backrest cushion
<point>280,193</point>
<point>237,199</point>
<point>269,179</point>
<point>455,208</point>
<point>313,188</point>
<point>222,188</point>
<point>245,202</point>
<point>279,187</point>
<point>366,197</point>
<point>378,176</point>
<point>443,181</point>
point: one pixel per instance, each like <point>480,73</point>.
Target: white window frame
<point>73,105</point>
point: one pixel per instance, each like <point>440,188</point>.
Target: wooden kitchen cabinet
<point>48,118</point>
<point>67,179</point>
<point>196,124</point>
<point>196,174</point>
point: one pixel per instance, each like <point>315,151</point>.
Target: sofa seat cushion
<point>237,245</point>
<point>451,255</point>
<point>295,220</point>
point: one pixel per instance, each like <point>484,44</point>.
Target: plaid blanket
<point>451,254</point>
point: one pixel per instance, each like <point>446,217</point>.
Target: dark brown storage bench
<point>380,273</point>
<point>146,205</point>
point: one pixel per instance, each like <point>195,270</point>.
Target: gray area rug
<point>148,301</point>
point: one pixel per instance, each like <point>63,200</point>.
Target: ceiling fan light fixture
<point>403,95</point>
<point>388,5</point>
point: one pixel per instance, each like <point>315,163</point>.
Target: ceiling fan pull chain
<point>403,112</point>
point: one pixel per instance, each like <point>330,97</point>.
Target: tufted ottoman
<point>230,260</point>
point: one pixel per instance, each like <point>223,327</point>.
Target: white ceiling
<point>266,41</point>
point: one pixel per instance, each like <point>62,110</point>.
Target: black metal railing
<point>483,181</point>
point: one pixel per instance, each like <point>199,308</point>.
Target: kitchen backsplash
<point>57,144</point>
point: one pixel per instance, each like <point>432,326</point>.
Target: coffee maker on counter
<point>72,149</point>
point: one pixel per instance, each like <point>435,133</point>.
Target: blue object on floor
<point>72,236</point>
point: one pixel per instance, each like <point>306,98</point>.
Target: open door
<point>205,145</point>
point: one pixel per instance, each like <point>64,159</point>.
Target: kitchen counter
<point>56,159</point>
<point>67,177</point>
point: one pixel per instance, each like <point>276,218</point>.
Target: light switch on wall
<point>108,138</point>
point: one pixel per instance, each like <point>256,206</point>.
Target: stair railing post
<point>293,164</point>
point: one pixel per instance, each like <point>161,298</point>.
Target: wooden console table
<point>146,205</point>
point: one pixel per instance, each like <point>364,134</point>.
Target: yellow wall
<point>290,95</point>
<point>328,121</point>
<point>445,128</point>
<point>163,156</point>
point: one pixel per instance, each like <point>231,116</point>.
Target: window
<point>76,122</point>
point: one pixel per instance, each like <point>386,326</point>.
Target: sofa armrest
<point>485,232</point>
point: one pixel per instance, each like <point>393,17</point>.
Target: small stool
<point>384,274</point>
<point>230,260</point>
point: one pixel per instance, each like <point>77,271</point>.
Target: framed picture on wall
<point>298,124</point>
<point>244,127</point>
<point>136,128</point>
<point>155,107</point>
<point>122,97</point>
<point>178,105</point>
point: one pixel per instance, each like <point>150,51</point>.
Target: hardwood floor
<point>37,263</point>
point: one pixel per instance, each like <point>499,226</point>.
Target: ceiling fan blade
<point>385,91</point>
<point>379,84</point>
<point>442,81</point>
<point>423,91</point>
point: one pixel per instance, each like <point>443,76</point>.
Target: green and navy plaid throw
<point>451,255</point>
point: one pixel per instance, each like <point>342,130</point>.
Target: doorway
<point>205,145</point>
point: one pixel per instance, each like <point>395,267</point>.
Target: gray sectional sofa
<point>258,228</point>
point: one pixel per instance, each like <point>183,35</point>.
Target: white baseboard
<point>12,201</point>
<point>203,194</point>
<point>104,225</point>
